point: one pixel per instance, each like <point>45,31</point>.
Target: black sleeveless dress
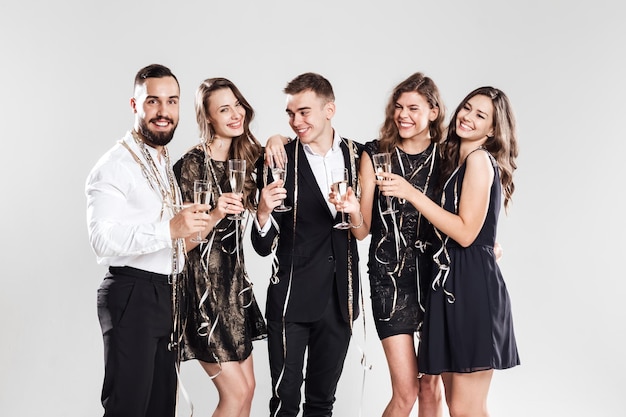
<point>401,247</point>
<point>468,324</point>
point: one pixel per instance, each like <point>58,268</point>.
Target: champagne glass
<point>382,163</point>
<point>340,187</point>
<point>201,195</point>
<point>237,178</point>
<point>279,173</point>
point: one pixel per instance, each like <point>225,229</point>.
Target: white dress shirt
<point>127,221</point>
<point>324,165</point>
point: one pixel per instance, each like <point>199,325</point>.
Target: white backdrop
<point>67,72</point>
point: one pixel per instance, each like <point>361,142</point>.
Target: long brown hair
<point>245,146</point>
<point>424,86</point>
<point>502,145</point>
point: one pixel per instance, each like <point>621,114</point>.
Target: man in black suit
<point>312,298</point>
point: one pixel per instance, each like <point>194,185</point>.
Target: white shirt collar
<point>334,148</point>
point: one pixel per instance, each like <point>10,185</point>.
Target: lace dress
<point>400,253</point>
<point>221,314</point>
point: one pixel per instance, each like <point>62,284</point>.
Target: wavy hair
<point>424,86</point>
<point>502,145</point>
<point>245,146</point>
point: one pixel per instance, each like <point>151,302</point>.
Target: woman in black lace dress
<point>401,247</point>
<point>222,317</point>
<point>468,326</point>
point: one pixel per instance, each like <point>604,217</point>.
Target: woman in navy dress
<point>468,326</point>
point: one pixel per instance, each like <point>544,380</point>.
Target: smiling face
<point>310,118</point>
<point>413,116</point>
<point>156,107</point>
<point>226,114</point>
<point>474,121</point>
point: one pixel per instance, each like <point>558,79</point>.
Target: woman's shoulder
<point>193,154</point>
<point>481,163</point>
<point>479,155</point>
<point>372,146</point>
<point>193,157</point>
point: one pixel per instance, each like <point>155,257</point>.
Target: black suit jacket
<point>315,257</point>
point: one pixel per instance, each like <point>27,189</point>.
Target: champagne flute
<point>382,163</point>
<point>237,178</point>
<point>340,187</point>
<point>279,173</point>
<point>201,195</point>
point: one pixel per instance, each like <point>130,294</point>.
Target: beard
<point>156,138</point>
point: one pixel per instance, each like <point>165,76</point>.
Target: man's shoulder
<point>290,148</point>
<point>351,139</point>
<point>357,146</point>
<point>114,162</point>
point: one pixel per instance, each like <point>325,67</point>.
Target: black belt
<point>129,271</point>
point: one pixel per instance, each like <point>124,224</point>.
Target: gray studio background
<point>66,79</point>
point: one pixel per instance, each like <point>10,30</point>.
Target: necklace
<point>393,232</point>
<point>412,171</point>
<point>170,193</point>
<point>210,170</point>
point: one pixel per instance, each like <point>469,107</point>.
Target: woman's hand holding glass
<point>382,164</point>
<point>349,204</point>
<point>227,204</point>
<point>339,188</point>
<point>394,185</point>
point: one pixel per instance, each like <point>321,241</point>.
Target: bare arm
<point>275,149</point>
<point>473,203</point>
<point>367,180</point>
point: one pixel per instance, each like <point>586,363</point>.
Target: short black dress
<point>401,249</point>
<point>221,303</point>
<point>468,324</point>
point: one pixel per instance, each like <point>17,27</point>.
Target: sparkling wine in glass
<point>237,178</point>
<point>201,195</point>
<point>280,173</point>
<point>382,163</point>
<point>340,187</point>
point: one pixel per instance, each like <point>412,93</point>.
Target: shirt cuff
<point>266,227</point>
<point>164,232</point>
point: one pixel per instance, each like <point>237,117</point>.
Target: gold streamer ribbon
<point>274,279</point>
<point>444,267</point>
